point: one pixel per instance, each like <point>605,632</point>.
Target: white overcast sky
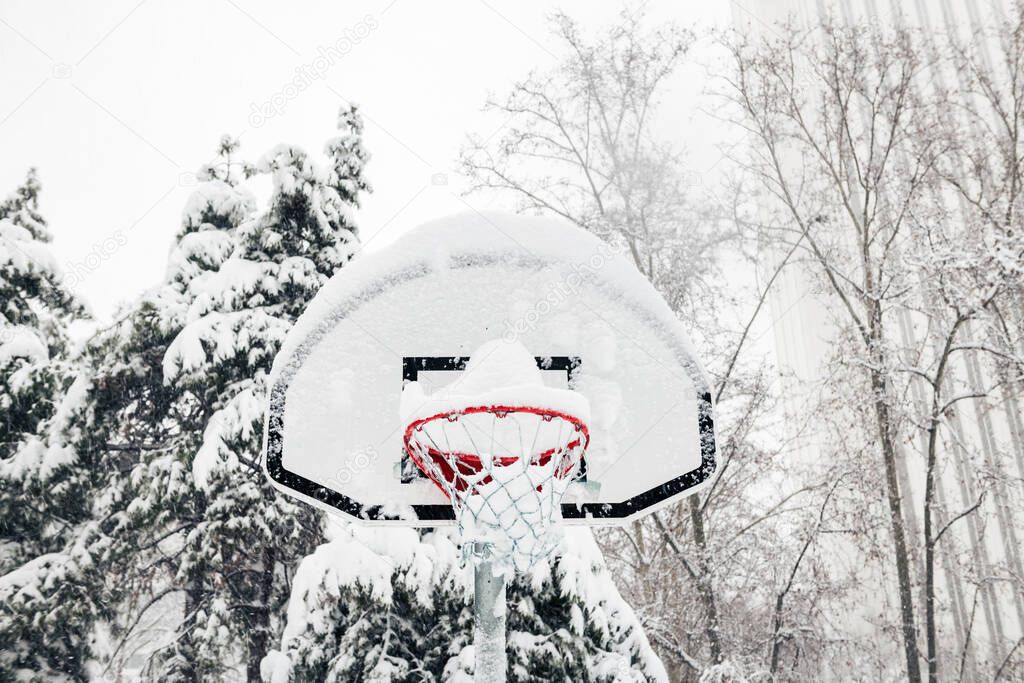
<point>117,103</point>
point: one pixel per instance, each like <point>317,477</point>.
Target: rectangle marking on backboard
<point>413,366</point>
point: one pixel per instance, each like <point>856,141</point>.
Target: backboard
<point>416,310</point>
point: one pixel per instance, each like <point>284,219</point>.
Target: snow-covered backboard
<point>416,310</point>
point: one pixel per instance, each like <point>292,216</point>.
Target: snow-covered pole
<point>488,617</point>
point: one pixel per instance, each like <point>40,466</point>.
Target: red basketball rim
<point>469,463</point>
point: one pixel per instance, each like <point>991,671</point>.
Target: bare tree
<point>579,144</point>
<point>827,120</point>
<point>850,145</point>
<point>985,169</point>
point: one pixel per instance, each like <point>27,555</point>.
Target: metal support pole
<point>488,617</point>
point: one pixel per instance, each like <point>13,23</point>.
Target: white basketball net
<point>505,470</point>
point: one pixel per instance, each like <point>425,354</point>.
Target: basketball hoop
<point>440,295</point>
<point>504,468</point>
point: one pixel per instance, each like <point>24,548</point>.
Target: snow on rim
<point>499,373</point>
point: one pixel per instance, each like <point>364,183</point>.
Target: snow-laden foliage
<point>38,398</point>
<point>568,621</point>
<point>374,605</point>
<point>35,309</point>
<point>394,605</point>
<point>179,380</point>
<point>238,315</point>
<point>235,556</point>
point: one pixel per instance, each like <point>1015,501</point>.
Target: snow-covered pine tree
<point>38,508</point>
<point>118,432</point>
<point>35,311</point>
<point>157,426</point>
<point>567,621</point>
<point>390,605</point>
<point>143,529</point>
<point>374,605</point>
<point>249,538</point>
